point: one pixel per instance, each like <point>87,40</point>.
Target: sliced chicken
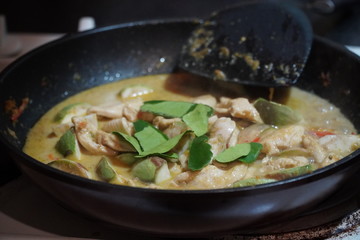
<point>109,110</point>
<point>238,108</point>
<point>86,129</point>
<point>284,138</point>
<point>119,125</point>
<point>212,177</point>
<point>206,100</point>
<point>220,134</point>
<point>113,142</point>
<point>132,108</point>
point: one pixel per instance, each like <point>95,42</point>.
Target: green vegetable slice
<point>291,172</point>
<point>65,114</point>
<point>170,109</point>
<point>127,158</point>
<point>104,170</point>
<point>197,119</point>
<point>69,166</point>
<point>255,149</point>
<point>68,145</point>
<point>144,170</point>
<point>251,182</point>
<point>276,114</point>
<point>200,153</point>
<point>233,153</point>
<point>148,136</point>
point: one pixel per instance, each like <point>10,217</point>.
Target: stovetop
<point>26,212</point>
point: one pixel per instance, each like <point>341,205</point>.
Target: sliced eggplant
<point>294,152</point>
<point>275,113</point>
<point>145,170</point>
<point>252,132</point>
<point>134,91</point>
<point>252,182</point>
<point>104,170</point>
<point>69,111</point>
<point>70,166</point>
<point>127,158</point>
<point>290,172</point>
<point>68,145</point>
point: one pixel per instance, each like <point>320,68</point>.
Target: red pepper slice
<point>322,133</point>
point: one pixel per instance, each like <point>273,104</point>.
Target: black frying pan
<point>62,68</point>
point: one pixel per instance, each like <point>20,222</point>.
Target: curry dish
<point>173,131</point>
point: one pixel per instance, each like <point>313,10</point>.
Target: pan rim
<point>93,184</point>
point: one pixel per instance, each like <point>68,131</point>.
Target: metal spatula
<point>255,43</point>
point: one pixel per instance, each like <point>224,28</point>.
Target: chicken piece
<point>108,110</point>
<point>223,127</point>
<point>128,109</point>
<point>146,116</point>
<point>132,108</point>
<point>85,130</point>
<point>233,140</point>
<point>313,146</point>
<point>175,129</point>
<point>163,123</point>
<point>113,142</point>
<point>238,108</point>
<point>170,126</point>
<point>284,138</point>
<point>271,164</point>
<point>211,177</point>
<point>341,145</point>
<point>119,125</point>
<point>220,134</point>
<point>60,129</point>
<point>206,100</point>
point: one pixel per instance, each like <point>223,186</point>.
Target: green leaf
<point>233,153</point>
<point>200,153</point>
<point>164,146</point>
<point>130,139</point>
<point>255,149</point>
<point>275,113</point>
<point>197,119</point>
<point>65,114</point>
<point>148,136</point>
<point>170,109</point>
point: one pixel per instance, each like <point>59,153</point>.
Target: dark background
<point>61,16</point>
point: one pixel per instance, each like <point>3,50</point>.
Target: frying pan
<point>77,62</point>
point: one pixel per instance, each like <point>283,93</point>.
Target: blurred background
<point>336,19</point>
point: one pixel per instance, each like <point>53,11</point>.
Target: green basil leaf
<point>130,139</point>
<point>197,119</point>
<point>253,154</point>
<point>233,153</point>
<point>170,109</point>
<point>275,113</point>
<point>148,136</point>
<point>200,153</point>
<point>164,146</point>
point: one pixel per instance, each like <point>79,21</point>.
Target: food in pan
<point>175,131</point>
